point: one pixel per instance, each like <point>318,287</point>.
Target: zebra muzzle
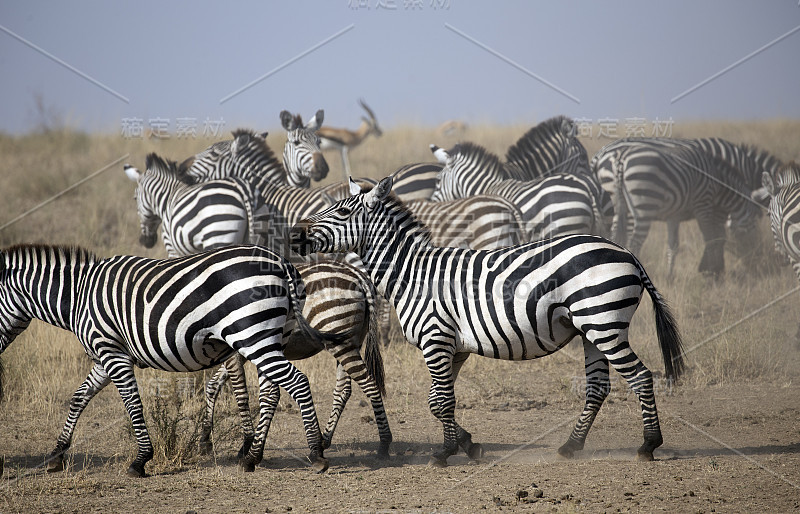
<point>320,170</point>
<point>147,240</point>
<point>299,241</point>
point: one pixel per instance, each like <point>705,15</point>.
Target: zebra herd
<point>509,259</point>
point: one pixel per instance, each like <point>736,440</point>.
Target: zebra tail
<point>297,297</point>
<point>620,232</point>
<point>249,195</point>
<point>669,338</point>
<point>373,359</point>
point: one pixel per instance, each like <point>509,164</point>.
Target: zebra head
<point>468,168</point>
<point>302,157</point>
<point>154,187</point>
<point>343,226</point>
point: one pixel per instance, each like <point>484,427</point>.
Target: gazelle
<point>343,139</point>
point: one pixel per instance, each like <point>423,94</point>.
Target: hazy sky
<point>97,64</point>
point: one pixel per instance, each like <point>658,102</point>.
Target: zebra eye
<point>344,211</point>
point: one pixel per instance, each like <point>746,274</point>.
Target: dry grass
<point>46,364</point>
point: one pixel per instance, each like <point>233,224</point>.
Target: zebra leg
<point>673,229</point>
<point>213,388</point>
<point>473,450</point>
<point>442,398</point>
<point>352,365</point>
<point>120,369</point>
<point>341,394</point>
<point>235,367</point>
<point>621,356</point>
<point>285,374</point>
<point>268,397</point>
<point>597,388</point>
<point>94,383</point>
<point>713,230</point>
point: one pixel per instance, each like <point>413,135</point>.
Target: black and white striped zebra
<point>184,314</point>
<point>248,153</point>
<point>783,187</point>
<point>212,214</point>
<point>340,299</point>
<point>196,217</point>
<point>515,303</point>
<point>675,183</point>
<point>751,161</point>
<point>557,204</point>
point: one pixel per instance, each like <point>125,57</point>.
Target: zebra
<point>183,314</point>
<point>196,217</point>
<point>557,204</point>
<point>339,299</point>
<point>675,184</point>
<point>751,161</point>
<point>516,303</point>
<point>248,152</point>
<point>783,187</point>
<point>161,196</point>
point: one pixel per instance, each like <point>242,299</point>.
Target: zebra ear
<point>184,167</point>
<point>316,122</point>
<point>769,185</point>
<point>264,135</point>
<point>440,154</point>
<point>132,173</point>
<point>354,187</point>
<point>287,121</point>
<point>378,192</point>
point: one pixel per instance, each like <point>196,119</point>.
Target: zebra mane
<point>558,128</point>
<point>155,162</point>
<point>476,153</point>
<point>788,174</point>
<point>403,217</point>
<point>66,254</point>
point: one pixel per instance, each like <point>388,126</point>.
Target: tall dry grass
<point>45,365</point>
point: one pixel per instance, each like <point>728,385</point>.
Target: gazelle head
<point>372,121</point>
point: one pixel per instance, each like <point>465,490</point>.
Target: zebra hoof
<point>205,447</point>
<point>644,456</point>
<point>247,465</point>
<point>437,462</point>
<point>136,470</point>
<point>383,451</point>
<point>319,464</point>
<point>475,451</point>
<point>326,441</point>
<point>55,463</point>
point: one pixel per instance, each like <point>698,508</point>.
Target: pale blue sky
<point>426,61</point>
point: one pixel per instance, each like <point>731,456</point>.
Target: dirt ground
<point>728,448</point>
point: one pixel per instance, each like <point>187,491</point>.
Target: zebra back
<point>550,147</point>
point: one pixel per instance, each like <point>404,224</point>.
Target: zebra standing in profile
<point>783,188</point>
<point>184,314</point>
<point>196,217</point>
<point>249,154</point>
<point>675,183</point>
<point>515,303</point>
<point>554,205</point>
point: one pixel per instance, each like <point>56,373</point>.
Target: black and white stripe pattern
<point>783,187</point>
<point>340,299</point>
<point>184,314</point>
<point>554,205</point>
<point>248,155</point>
<point>669,182</point>
<point>516,303</point>
<point>196,217</point>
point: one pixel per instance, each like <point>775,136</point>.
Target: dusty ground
<point>728,448</point>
